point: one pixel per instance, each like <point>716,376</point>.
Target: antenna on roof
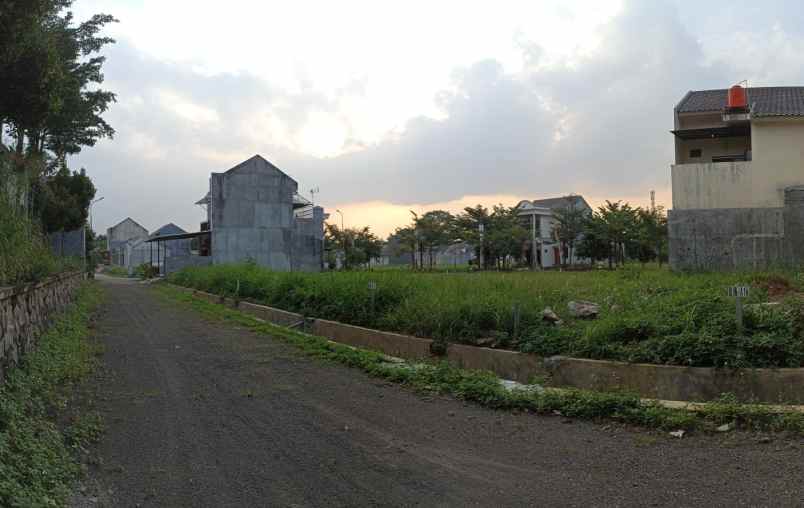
<point>653,201</point>
<point>313,192</point>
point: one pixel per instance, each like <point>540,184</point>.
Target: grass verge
<point>485,388</point>
<point>38,454</point>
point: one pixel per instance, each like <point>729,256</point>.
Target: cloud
<point>594,121</point>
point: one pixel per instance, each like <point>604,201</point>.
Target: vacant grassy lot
<point>646,314</point>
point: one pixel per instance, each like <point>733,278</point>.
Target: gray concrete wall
<point>726,238</point>
<point>739,238</point>
<point>252,218</point>
<point>251,214</point>
<point>308,242</point>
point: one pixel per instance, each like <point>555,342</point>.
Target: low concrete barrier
<point>394,344</point>
<point>666,382</point>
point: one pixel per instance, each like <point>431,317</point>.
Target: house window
<point>695,153</point>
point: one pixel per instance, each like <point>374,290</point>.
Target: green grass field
<point>647,314</point>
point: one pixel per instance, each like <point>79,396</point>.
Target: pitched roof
<point>560,202</point>
<point>168,229</point>
<point>132,220</point>
<point>763,101</point>
<point>259,159</point>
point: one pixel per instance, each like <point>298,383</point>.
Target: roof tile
<point>764,101</point>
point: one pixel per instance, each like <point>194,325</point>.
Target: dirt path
<point>206,414</point>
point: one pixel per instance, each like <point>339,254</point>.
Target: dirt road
<point>206,414</point>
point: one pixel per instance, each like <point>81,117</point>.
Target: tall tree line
<point>51,102</point>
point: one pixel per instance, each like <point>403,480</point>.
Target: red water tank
<point>737,98</point>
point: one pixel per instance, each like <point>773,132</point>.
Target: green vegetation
<point>51,106</point>
<point>25,255</point>
<point>646,314</point>
<point>38,456</point>
<point>485,388</point>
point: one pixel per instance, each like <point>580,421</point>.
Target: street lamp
<point>341,214</point>
<point>90,211</point>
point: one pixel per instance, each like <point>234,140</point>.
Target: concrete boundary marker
<point>664,382</point>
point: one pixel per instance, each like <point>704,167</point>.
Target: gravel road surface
<point>203,413</point>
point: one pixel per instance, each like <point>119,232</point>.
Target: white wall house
<point>537,216</point>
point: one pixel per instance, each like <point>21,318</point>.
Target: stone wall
<point>26,310</point>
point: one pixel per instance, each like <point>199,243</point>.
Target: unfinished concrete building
<point>120,236</point>
<point>738,194</point>
<point>254,213</point>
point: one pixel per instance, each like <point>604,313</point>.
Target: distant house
<point>457,254</point>
<point>738,200</point>
<point>537,217</point>
<point>120,235</point>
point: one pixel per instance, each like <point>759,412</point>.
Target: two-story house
<point>739,162</point>
<point>543,250</point>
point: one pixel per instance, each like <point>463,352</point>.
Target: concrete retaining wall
<point>738,238</point>
<point>726,238</point>
<point>666,382</point>
<point>25,311</point>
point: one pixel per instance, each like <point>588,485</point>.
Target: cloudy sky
<point>389,106</point>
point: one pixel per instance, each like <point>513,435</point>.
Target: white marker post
<point>738,293</point>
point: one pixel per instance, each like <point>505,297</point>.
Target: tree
<point>594,244</point>
<point>650,240</point>
<point>618,224</point>
<point>434,230</point>
<point>64,200</point>
<point>49,92</point>
<point>505,236</point>
<point>404,241</point>
<point>568,225</point>
<point>359,246</point>
<point>468,227</point>
<point>497,234</point>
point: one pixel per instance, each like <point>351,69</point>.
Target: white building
<point>537,216</point>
